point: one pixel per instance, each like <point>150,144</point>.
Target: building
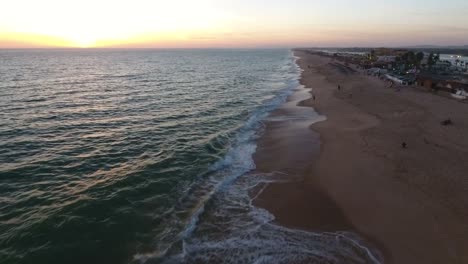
<point>442,65</point>
<point>442,82</point>
<point>429,81</point>
<point>459,85</point>
<point>376,71</point>
<point>386,58</point>
<point>389,52</point>
<point>399,79</point>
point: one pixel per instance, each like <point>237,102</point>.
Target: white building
<point>386,58</point>
<point>396,79</point>
<point>442,65</point>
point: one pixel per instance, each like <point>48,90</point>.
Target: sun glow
<point>95,23</point>
<point>229,23</point>
<point>84,41</point>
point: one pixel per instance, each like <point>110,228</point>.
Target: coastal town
<point>441,74</point>
<point>392,154</point>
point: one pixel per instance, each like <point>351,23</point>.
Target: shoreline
<point>409,203</point>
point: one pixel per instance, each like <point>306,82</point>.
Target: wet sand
<point>350,173</point>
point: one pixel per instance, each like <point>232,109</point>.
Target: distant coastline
<point>453,50</point>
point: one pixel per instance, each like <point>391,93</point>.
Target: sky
<point>231,23</point>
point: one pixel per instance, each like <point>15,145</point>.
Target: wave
<point>222,225</point>
<point>233,230</point>
<point>236,162</point>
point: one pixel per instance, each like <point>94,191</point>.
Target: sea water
<point>142,156</point>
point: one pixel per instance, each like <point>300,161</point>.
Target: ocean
<point>141,156</point>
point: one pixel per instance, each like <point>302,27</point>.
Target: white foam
<point>253,237</point>
<point>225,227</point>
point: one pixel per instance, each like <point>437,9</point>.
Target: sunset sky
<point>231,23</point>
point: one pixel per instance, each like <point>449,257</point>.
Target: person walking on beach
<point>339,87</point>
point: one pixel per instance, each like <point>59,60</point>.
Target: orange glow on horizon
<point>22,40</point>
<point>193,39</point>
<point>227,23</point>
<point>89,23</point>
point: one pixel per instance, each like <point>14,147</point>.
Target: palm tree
<point>411,58</point>
<point>419,58</point>
<point>431,60</point>
<point>372,55</point>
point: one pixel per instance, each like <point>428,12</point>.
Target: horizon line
<point>239,48</point>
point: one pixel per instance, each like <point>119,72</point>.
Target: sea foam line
<point>244,151</point>
<point>266,234</point>
<point>238,160</point>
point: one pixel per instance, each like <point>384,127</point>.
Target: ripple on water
<point>107,153</point>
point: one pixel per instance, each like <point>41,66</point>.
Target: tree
<point>411,58</point>
<point>419,58</point>
<point>372,55</point>
<point>431,60</point>
<point>404,57</point>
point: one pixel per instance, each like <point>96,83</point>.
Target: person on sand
<point>447,122</point>
<point>313,97</point>
<point>339,87</point>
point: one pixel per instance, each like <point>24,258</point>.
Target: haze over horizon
<point>228,23</point>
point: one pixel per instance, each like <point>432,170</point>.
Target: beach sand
<point>350,172</point>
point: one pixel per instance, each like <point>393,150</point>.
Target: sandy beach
<point>351,173</point>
